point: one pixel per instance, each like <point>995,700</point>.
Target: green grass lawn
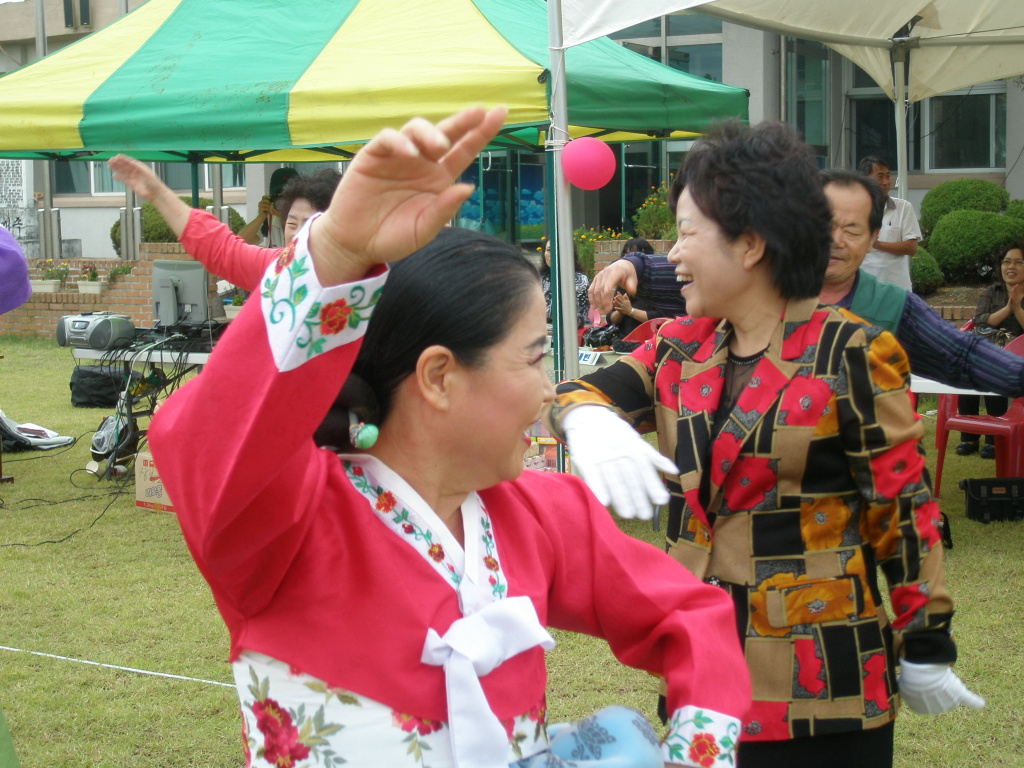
<point>123,591</point>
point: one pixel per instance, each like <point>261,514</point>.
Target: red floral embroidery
<point>407,528</point>
<point>281,745</point>
<point>490,563</point>
<point>436,553</point>
<point>334,317</point>
<point>703,750</point>
<point>410,723</point>
<point>286,258</point>
<point>357,471</point>
<point>386,502</point>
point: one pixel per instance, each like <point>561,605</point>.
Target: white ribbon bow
<point>474,646</point>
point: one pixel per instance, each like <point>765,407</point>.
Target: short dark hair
<point>317,188</point>
<point>763,179</point>
<point>464,290</point>
<point>847,179</point>
<point>636,245</point>
<point>1013,245</point>
<point>545,270</point>
<point>867,163</point>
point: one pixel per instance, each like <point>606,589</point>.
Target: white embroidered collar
<point>403,510</point>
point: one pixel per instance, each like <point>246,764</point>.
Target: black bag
<point>97,386</point>
<point>994,498</point>
<point>601,335</point>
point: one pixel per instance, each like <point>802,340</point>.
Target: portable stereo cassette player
<point>99,330</point>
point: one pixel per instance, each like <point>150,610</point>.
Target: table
<point>922,386</point>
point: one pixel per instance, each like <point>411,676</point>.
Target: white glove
<point>620,467</point>
<point>929,689</point>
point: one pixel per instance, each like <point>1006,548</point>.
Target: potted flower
<point>51,276</point>
<point>89,280</point>
<point>232,309</point>
<point>118,271</point>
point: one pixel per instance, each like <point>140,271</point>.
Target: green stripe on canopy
<point>215,94</point>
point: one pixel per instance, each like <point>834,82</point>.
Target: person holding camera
<point>267,224</point>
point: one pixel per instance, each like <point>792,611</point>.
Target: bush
<point>155,229</point>
<point>965,243</point>
<point>1015,208</point>
<point>925,274</point>
<point>960,195</point>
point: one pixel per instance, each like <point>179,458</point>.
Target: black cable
<point>114,495</point>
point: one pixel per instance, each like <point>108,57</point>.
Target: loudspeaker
<point>101,330</point>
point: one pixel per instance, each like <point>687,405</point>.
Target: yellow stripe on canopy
<point>471,64</point>
<point>57,110</point>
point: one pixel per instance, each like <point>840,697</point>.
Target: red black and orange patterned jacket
<point>815,479</point>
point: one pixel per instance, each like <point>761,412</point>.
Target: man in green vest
<point>935,348</point>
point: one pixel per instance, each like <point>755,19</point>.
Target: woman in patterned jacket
<point>798,469</point>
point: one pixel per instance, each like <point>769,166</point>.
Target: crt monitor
<point>180,293</point>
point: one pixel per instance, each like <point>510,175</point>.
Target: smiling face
<point>497,402</point>
<point>1012,267</point>
<point>880,173</point>
<point>851,233</point>
<point>298,214</point>
<point>706,261</point>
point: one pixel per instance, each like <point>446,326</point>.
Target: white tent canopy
<point>955,43</point>
<point>948,44</point>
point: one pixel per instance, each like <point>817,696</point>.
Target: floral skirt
<point>292,719</point>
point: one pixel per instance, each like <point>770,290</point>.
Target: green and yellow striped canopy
<point>278,80</point>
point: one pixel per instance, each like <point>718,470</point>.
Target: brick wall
<point>128,295</point>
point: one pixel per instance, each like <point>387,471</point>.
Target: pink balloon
<point>588,163</point>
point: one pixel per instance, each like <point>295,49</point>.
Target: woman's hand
<point>622,303</point>
<point>140,178</point>
<point>398,192</point>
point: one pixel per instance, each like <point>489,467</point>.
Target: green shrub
<point>965,243</point>
<point>925,274</point>
<point>156,230</point>
<point>960,195</point>
<point>1015,208</point>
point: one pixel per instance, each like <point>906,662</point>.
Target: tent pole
<point>194,164</point>
<point>899,55</point>
<point>565,344</point>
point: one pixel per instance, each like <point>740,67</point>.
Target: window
<point>75,177</point>
<point>960,131</point>
<point>700,60</point>
<point>967,131</point>
<point>807,93</point>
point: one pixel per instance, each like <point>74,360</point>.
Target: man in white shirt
<point>889,258</point>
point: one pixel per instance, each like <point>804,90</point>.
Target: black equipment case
<point>994,498</point>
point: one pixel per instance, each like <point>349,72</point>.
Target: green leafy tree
<point>961,195</point>
<point>156,230</point>
<point>965,243</point>
<point>925,274</point>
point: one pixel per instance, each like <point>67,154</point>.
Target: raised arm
<point>140,178</point>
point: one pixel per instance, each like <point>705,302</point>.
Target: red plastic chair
<point>1007,429</point>
<point>947,406</point>
<point>645,330</point>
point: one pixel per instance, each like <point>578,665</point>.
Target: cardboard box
<point>149,491</point>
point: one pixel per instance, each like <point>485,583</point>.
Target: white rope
<point>114,666</point>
